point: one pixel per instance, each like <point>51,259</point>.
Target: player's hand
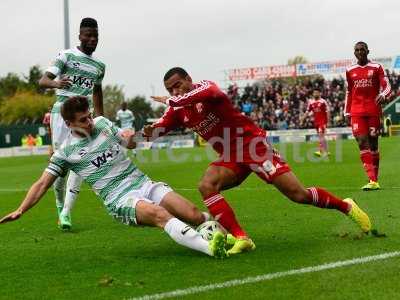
<point>148,130</point>
<point>380,99</point>
<point>64,83</point>
<point>161,99</point>
<point>15,215</point>
<point>128,133</point>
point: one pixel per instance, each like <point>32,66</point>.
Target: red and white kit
<point>320,111</point>
<point>365,84</point>
<point>241,145</point>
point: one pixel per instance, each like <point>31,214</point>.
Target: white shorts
<point>59,130</point>
<point>150,191</point>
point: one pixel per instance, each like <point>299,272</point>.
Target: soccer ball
<point>207,229</point>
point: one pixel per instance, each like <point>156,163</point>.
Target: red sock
<point>375,162</point>
<point>223,213</point>
<point>323,199</point>
<point>366,158</point>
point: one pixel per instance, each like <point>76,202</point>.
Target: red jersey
<point>320,110</point>
<point>364,85</point>
<point>209,112</point>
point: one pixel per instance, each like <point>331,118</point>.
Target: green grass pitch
<point>102,259</point>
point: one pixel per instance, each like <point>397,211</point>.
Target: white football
<point>207,229</point>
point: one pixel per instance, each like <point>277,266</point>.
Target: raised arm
<point>169,121</point>
<point>35,193</point>
<point>205,91</point>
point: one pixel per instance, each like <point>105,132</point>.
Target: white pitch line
<point>267,277</point>
<point>266,188</point>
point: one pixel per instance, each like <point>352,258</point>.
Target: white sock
<point>73,186</point>
<point>207,216</point>
<point>186,236</point>
<point>59,191</point>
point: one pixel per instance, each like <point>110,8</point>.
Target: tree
<point>141,109</point>
<point>298,59</point>
<point>10,84</point>
<point>113,96</point>
<point>26,106</point>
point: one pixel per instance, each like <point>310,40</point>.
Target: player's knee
<point>160,216</point>
<point>195,216</point>
<point>207,187</point>
<point>298,195</point>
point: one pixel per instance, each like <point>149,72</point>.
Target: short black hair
<point>176,70</point>
<point>317,89</point>
<point>73,105</point>
<point>88,22</point>
<point>362,43</point>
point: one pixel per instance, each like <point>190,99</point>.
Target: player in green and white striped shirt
<point>78,73</point>
<point>93,151</point>
<point>125,117</point>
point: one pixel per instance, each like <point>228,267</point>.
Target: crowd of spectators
<point>282,104</point>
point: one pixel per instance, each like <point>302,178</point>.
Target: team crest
<point>199,107</point>
<point>370,73</point>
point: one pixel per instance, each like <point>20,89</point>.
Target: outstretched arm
<point>35,193</point>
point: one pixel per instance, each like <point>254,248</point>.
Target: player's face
<point>361,52</point>
<point>316,94</point>
<point>177,85</point>
<point>89,38</point>
<point>82,124</point>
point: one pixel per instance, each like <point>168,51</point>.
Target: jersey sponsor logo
<point>106,156</point>
<point>84,82</point>
<point>206,125</point>
<point>363,83</point>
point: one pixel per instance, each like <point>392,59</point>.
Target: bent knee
<point>299,195</point>
<point>207,187</point>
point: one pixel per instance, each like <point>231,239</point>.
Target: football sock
<point>223,213</point>
<point>59,191</point>
<point>73,186</point>
<point>323,199</point>
<point>322,144</point>
<point>375,162</point>
<point>186,236</point>
<point>367,160</point>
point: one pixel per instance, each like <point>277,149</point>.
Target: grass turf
<point>102,259</point>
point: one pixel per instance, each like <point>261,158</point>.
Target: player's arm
<point>35,193</point>
<point>347,103</point>
<point>128,138</point>
<point>205,91</point>
<point>384,86</point>
<point>48,81</point>
<point>169,121</point>
<point>98,100</point>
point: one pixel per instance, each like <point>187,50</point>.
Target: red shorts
<point>366,125</point>
<point>265,161</point>
<point>321,128</point>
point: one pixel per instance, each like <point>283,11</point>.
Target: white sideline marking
<point>266,188</point>
<point>266,277</point>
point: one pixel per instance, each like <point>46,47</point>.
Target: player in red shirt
<point>320,109</point>
<point>242,149</point>
<point>367,89</point>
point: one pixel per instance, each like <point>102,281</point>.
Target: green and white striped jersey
<point>126,118</point>
<point>83,70</point>
<point>100,160</point>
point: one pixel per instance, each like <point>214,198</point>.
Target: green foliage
<point>298,59</point>
<point>24,106</point>
<point>113,96</point>
<point>141,109</point>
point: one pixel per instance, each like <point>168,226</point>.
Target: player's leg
<point>361,133</point>
<point>290,186</point>
<point>162,194</point>
<point>155,215</point>
<point>215,179</point>
<point>56,128</point>
<point>373,138</point>
<point>323,145</point>
<point>221,176</point>
<point>74,183</point>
